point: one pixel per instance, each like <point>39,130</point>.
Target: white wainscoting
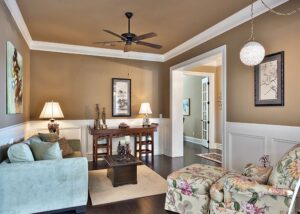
<point>78,129</point>
<point>12,134</point>
<point>247,142</point>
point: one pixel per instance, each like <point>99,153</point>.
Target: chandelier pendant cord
<point>252,24</point>
<point>270,10</point>
<point>280,13</point>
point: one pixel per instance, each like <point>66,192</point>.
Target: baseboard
<point>196,141</point>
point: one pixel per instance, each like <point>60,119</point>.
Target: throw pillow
<point>49,137</point>
<point>46,150</point>
<point>65,147</point>
<point>258,173</point>
<point>20,152</point>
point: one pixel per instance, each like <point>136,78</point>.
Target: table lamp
<point>145,110</point>
<point>52,111</point>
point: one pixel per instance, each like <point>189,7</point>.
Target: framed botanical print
<point>186,107</point>
<point>269,81</point>
<point>121,97</point>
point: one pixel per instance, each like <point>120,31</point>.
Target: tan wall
<point>9,32</point>
<point>276,33</point>
<point>78,82</point>
<point>192,88</point>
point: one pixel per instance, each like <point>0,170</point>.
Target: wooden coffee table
<point>122,171</point>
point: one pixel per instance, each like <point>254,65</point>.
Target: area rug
<point>212,156</point>
<point>102,192</point>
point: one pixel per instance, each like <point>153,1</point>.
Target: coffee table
<point>122,171</point>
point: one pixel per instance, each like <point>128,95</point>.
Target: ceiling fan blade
<point>126,48</point>
<point>145,36</point>
<point>117,35</point>
<point>149,44</point>
<point>107,42</point>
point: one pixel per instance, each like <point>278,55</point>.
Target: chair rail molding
<point>12,134</point>
<point>247,142</point>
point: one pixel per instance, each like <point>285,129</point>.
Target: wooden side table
<point>141,147</point>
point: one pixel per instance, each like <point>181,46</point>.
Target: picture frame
<point>14,80</point>
<point>269,81</point>
<point>121,97</point>
<point>186,107</point>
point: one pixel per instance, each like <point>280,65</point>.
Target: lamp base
<point>146,122</point>
<point>53,127</point>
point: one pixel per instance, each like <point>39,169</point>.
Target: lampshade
<point>252,53</point>
<point>145,108</point>
<point>51,110</point>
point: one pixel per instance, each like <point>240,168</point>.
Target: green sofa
<point>42,186</point>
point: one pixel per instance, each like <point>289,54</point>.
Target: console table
<point>141,146</point>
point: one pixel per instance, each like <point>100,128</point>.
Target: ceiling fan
<point>129,38</point>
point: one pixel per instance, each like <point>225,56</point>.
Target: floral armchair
<point>236,193</point>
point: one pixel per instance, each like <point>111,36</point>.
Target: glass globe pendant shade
<point>252,53</point>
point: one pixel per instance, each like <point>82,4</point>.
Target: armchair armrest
<point>247,186</point>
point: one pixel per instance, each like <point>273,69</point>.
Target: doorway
<point>191,67</point>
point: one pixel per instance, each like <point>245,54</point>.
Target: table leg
<point>95,139</point>
<point>135,146</point>
<point>110,144</point>
<point>152,147</point>
<point>140,146</point>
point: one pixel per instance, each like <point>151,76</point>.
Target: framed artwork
<point>14,80</point>
<point>186,107</point>
<point>269,81</point>
<point>121,97</point>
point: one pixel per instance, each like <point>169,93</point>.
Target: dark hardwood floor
<point>163,165</point>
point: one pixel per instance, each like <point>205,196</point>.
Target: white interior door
<point>205,111</point>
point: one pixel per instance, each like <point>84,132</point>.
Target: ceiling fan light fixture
<point>252,53</point>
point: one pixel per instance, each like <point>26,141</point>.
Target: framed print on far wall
<point>186,107</point>
<point>269,81</point>
<point>121,97</point>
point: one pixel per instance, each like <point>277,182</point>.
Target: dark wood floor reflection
<point>163,165</point>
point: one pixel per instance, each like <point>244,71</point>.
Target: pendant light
<point>252,53</point>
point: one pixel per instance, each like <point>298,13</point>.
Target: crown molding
<point>92,51</point>
<point>17,15</point>
<point>227,24</point>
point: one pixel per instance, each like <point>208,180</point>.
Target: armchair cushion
<point>216,190</point>
<point>258,173</point>
<point>195,179</point>
<point>287,171</point>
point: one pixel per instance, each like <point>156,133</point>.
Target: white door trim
<point>176,89</point>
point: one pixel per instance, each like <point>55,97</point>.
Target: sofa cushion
<point>195,179</point>
<point>46,150</point>
<point>49,137</point>
<point>287,171</point>
<point>259,173</point>
<point>65,147</point>
<point>20,153</point>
